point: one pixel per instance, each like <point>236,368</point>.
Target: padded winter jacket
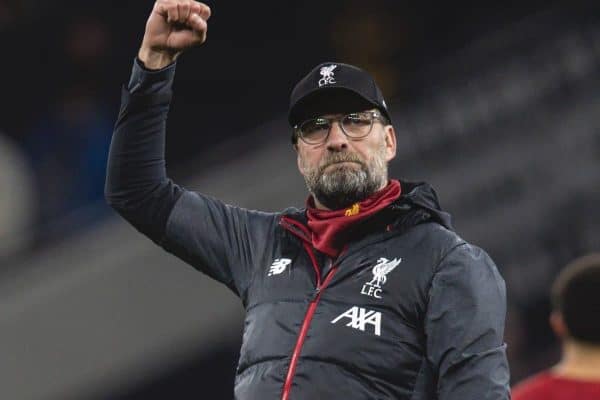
<point>409,310</point>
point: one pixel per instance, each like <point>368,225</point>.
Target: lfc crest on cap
<point>327,73</point>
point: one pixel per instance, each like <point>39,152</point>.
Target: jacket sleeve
<point>465,327</point>
<point>220,240</point>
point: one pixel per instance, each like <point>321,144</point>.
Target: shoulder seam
<point>462,243</point>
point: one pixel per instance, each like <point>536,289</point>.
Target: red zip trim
<point>292,368</point>
<point>303,331</point>
<point>303,233</point>
<point>313,259</point>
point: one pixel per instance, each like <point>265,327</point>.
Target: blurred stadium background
<point>499,109</point>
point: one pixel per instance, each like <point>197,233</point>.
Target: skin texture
<point>324,163</point>
<point>579,360</point>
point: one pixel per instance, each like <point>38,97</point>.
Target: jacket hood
<point>421,195</point>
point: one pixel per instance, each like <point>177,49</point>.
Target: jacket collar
<point>418,204</point>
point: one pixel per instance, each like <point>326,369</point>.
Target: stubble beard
<point>344,185</point>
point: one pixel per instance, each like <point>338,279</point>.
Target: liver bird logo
<point>381,269</point>
<point>327,73</point>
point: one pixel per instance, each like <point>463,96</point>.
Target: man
<point>575,320</point>
<point>365,294</point>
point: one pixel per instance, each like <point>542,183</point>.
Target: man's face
<point>341,170</point>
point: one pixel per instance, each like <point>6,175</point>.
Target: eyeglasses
<point>355,126</point>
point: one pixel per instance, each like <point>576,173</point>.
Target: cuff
<point>148,81</point>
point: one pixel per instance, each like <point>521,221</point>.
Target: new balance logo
<point>360,317</point>
<point>278,266</point>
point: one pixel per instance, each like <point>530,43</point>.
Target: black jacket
<point>408,311</point>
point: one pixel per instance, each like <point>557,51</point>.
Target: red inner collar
<point>329,229</point>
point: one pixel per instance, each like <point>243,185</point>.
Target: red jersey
<point>548,386</point>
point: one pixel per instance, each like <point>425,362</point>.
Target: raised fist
<point>173,26</point>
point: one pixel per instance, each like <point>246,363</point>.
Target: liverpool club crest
<point>380,272</point>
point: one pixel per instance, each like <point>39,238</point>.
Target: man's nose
<point>337,139</point>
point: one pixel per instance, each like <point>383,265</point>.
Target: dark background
<point>244,73</point>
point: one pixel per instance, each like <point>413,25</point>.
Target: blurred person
<point>575,321</point>
<point>86,48</point>
<point>68,143</point>
<point>367,292</point>
<point>380,56</point>
<point>68,150</point>
<point>12,12</point>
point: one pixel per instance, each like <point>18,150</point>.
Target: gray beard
<point>343,186</point>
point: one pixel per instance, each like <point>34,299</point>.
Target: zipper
<point>299,230</point>
<point>302,335</point>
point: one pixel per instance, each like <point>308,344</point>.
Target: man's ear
<point>390,142</point>
<point>298,159</point>
<point>557,322</point>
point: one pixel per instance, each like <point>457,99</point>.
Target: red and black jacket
<point>409,310</point>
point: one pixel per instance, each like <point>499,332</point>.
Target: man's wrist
<point>155,60</point>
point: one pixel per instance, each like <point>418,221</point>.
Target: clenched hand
<point>173,27</point>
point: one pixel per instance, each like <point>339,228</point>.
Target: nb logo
<point>278,266</point>
<point>327,73</point>
<point>360,317</point>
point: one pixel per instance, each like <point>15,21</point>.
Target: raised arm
<point>222,241</point>
<point>136,184</point>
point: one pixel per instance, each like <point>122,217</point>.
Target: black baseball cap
<point>333,88</point>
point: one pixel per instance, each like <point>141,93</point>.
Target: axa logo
<point>278,266</point>
<point>380,272</point>
<point>327,75</point>
<point>359,318</point>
